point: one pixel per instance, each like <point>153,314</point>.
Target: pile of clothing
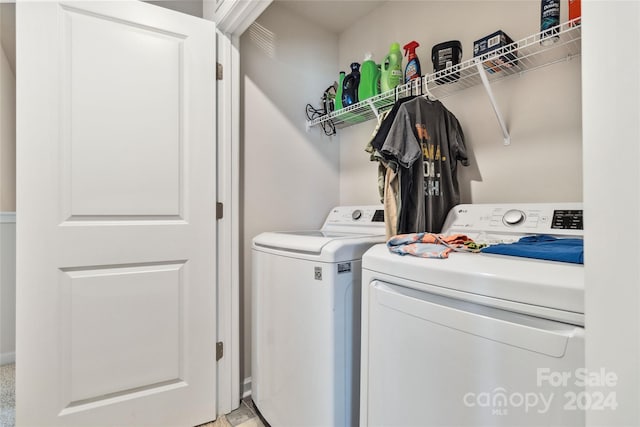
<point>538,246</point>
<point>431,245</point>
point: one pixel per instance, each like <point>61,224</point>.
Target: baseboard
<point>6,358</point>
<point>246,387</point>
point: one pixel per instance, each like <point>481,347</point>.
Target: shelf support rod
<point>487,87</point>
<point>374,109</point>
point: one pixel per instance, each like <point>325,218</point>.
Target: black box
<point>492,42</point>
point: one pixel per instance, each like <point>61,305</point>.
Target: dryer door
<point>458,363</point>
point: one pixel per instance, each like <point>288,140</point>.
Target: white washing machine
<point>306,319</point>
<point>476,339</point>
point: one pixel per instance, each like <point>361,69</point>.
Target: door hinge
<point>219,210</point>
<point>218,71</point>
<point>219,350</point>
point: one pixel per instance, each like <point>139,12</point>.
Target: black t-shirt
<point>425,130</point>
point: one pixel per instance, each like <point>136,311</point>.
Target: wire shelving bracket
<point>487,87</point>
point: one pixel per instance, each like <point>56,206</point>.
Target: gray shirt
<point>427,142</point>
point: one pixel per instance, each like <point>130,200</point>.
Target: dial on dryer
<point>513,217</point>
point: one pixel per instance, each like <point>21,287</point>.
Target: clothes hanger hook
<point>428,93</point>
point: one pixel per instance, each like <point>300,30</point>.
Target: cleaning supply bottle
<point>412,71</point>
<point>337,103</point>
<point>574,12</point>
<point>549,20</point>
<point>350,86</point>
<point>369,78</point>
<point>391,69</point>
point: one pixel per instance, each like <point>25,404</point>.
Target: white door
<point>116,215</point>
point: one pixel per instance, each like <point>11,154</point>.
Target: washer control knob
<point>357,214</point>
<point>513,217</point>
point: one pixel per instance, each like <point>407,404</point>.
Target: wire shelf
<point>516,58</point>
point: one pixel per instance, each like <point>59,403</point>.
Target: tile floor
<point>244,416</point>
<point>7,395</point>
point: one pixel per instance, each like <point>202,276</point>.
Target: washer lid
<point>307,242</point>
<point>550,284</point>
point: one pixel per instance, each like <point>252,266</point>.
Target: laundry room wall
<point>290,177</point>
<point>542,109</point>
<point>612,206</point>
<point>7,288</point>
<point>190,7</point>
<point>7,109</point>
<point>7,185</point>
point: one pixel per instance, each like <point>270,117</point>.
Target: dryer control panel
<point>355,215</point>
<point>356,219</point>
<point>515,220</point>
<point>567,220</point>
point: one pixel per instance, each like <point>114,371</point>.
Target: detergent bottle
<point>350,86</point>
<point>549,20</point>
<point>337,102</point>
<point>369,78</point>
<point>412,71</point>
<point>391,69</point>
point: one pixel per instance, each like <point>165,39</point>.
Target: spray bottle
<point>412,71</point>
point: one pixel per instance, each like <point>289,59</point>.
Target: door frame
<point>232,18</point>
<point>229,394</point>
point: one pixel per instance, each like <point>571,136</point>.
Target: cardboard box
<point>494,41</point>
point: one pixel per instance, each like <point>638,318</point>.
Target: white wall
<point>7,288</point>
<point>7,122</point>
<point>290,177</point>
<point>8,32</point>
<point>611,112</point>
<point>541,108</point>
<point>7,191</point>
<point>190,7</point>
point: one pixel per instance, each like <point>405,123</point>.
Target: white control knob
<point>357,214</point>
<point>513,217</point>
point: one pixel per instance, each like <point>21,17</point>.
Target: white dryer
<point>306,319</point>
<point>476,339</point>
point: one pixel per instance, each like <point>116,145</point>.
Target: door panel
<point>116,205</point>
<point>104,314</point>
<point>138,128</point>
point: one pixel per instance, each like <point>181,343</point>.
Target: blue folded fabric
<point>544,247</point>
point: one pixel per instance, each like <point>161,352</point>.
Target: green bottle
<point>391,72</point>
<point>337,103</point>
<point>369,78</point>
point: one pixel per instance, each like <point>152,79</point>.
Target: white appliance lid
<point>343,224</point>
<point>309,241</point>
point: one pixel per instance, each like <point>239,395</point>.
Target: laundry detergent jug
<point>350,86</point>
<point>391,69</point>
<point>369,78</point>
<point>337,103</point>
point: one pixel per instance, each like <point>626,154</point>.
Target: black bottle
<point>350,86</point>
